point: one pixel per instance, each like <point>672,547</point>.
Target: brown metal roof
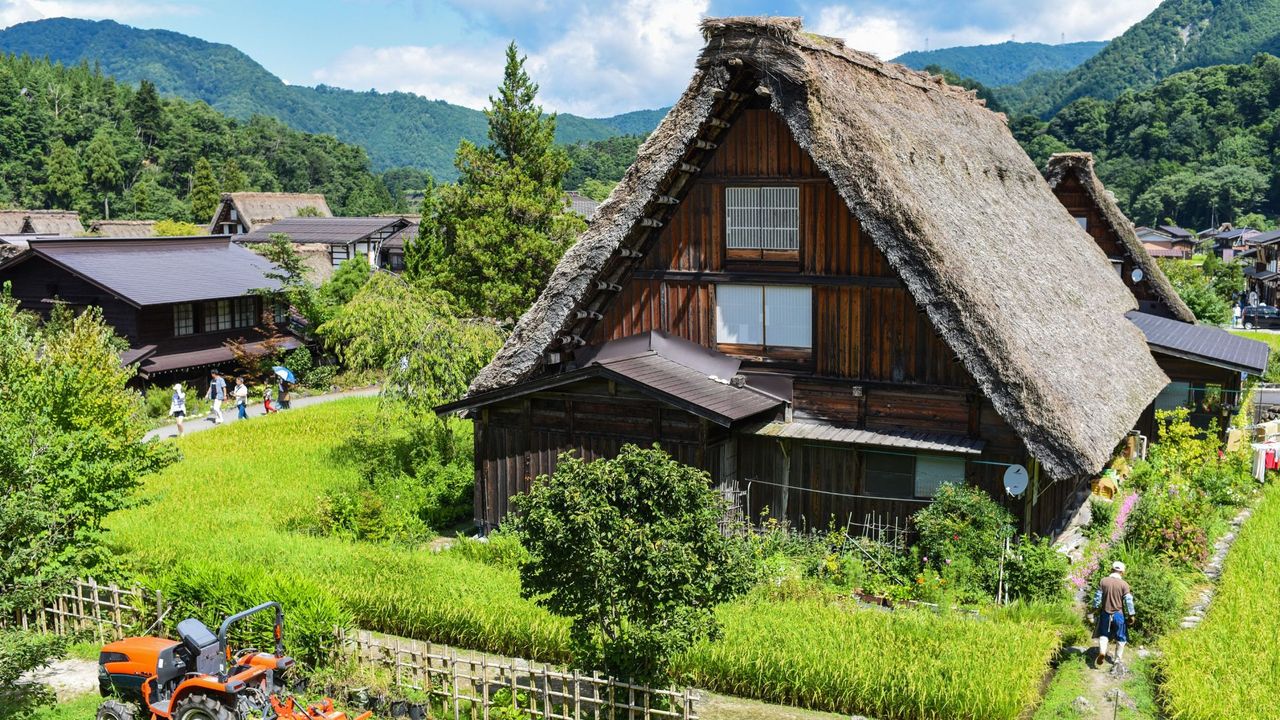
<point>821,432</point>
<point>202,358</point>
<point>1202,343</point>
<point>682,386</point>
<point>158,271</point>
<point>325,230</point>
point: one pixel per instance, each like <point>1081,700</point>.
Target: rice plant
<point>1229,666</point>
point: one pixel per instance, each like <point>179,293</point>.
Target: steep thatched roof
<point>261,208</point>
<point>944,191</point>
<point>40,222</point>
<point>124,228</point>
<point>1080,166</point>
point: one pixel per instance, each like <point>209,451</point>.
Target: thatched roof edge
<point>1080,164</point>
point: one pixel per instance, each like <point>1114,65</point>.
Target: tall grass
<point>1229,666</point>
<point>233,520</point>
<point>893,666</point>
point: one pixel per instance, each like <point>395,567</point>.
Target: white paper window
<point>244,312</point>
<point>339,254</point>
<point>184,322</point>
<point>1083,222</point>
<point>770,315</point>
<point>762,218</point>
<point>932,471</point>
<point>217,315</point>
<point>740,314</point>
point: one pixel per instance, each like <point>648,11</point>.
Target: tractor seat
<point>203,645</point>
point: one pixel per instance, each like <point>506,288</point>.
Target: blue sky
<point>591,57</point>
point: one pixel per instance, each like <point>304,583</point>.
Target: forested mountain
<point>72,137</point>
<point>1006,63</point>
<point>1178,35</point>
<point>397,129</point>
<point>1199,147</point>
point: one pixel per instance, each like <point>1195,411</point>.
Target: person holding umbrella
<point>286,378</point>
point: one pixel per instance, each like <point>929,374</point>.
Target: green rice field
<point>233,524</point>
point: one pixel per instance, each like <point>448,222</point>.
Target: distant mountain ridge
<point>1178,35</point>
<point>396,129</point>
<point>1004,63</point>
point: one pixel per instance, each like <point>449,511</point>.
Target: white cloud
<point>13,12</point>
<point>463,76</point>
<point>602,58</point>
<point>882,34</point>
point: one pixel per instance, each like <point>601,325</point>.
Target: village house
<point>393,247</point>
<point>62,223</point>
<point>1167,241</point>
<point>240,213</point>
<point>1205,364</point>
<point>123,228</point>
<point>1262,276</point>
<point>177,301</point>
<point>324,243</point>
<point>803,286</point>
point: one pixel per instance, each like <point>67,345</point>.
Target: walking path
<point>197,424</point>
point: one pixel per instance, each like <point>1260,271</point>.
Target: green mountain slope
<point>1178,35</point>
<point>1003,64</point>
<point>396,129</point>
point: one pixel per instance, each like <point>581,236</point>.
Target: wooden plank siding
<point>876,361</point>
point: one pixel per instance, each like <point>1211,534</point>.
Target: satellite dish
<point>1015,480</point>
<point>1137,275</point>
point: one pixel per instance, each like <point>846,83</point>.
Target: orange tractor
<point>199,677</point>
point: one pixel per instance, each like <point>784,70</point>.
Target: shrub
<point>1227,481</point>
<point>299,361</point>
<point>499,549</point>
<point>1102,518</point>
<point>1036,571</point>
<point>21,651</point>
<point>963,524</point>
<point>321,377</point>
<point>157,399</point>
<point>1166,521</point>
<point>1159,595</point>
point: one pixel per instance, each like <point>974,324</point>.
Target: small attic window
<point>762,219</point>
<point>1083,222</point>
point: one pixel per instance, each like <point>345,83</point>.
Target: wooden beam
<point>782,277</point>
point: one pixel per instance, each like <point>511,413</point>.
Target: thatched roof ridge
<point>944,191</point>
<point>258,208</point>
<point>1080,165</point>
<point>124,228</point>
<point>40,222</point>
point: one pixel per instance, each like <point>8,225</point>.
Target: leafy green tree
<point>631,550</point>
<point>64,180</point>
<point>21,651</point>
<point>150,200</point>
<point>1257,221</point>
<point>146,112</point>
<point>177,228</point>
<point>504,225</point>
<point>71,453</point>
<point>102,163</point>
<point>429,353</point>
<point>233,178</point>
<point>368,197</point>
<point>1194,287</point>
<point>204,195</point>
<point>597,190</point>
<point>347,280</point>
<point>295,290</point>
<point>1082,124</point>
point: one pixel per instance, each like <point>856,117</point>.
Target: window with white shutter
<point>762,218</point>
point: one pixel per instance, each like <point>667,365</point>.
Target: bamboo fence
<point>109,612</point>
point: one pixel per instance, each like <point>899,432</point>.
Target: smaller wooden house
<point>1205,364</point>
<point>177,301</point>
<point>240,213</point>
<point>324,243</point>
<point>802,286</point>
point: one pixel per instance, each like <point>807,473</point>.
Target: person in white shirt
<point>241,394</point>
<point>178,405</point>
<point>217,393</point>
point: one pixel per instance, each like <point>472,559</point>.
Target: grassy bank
<point>234,524</point>
<point>1229,666</point>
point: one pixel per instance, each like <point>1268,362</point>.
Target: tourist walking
<point>266,399</point>
<point>285,390</point>
<point>1114,602</point>
<point>217,393</point>
<point>241,394</point>
<point>178,406</point>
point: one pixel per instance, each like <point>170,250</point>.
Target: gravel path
<point>199,424</point>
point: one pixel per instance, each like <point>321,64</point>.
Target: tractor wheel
<point>116,710</point>
<point>204,707</point>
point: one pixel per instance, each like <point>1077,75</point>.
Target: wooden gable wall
<point>867,327</point>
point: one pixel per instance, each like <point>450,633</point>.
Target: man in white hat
<point>1114,601</point>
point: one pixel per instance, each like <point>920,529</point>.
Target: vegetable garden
<point>239,520</point>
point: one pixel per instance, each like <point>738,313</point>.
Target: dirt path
<point>199,424</point>
<point>69,678</point>
<point>723,707</point>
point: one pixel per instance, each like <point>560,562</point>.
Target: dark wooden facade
<point>875,362</point>
<point>38,285</point>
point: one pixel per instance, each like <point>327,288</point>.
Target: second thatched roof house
<point>239,213</point>
<point>805,286</point>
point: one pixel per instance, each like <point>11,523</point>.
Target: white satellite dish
<point>1137,275</point>
<point>1015,480</point>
